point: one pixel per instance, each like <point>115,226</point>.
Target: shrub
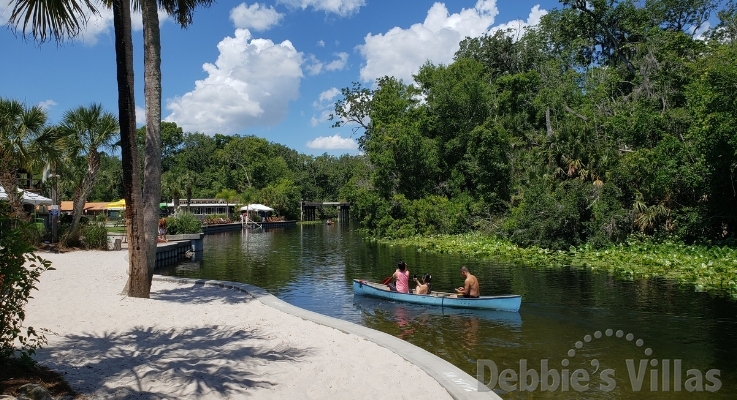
<point>552,219</point>
<point>611,222</point>
<point>182,223</point>
<point>94,236</point>
<point>19,273</point>
<point>427,216</point>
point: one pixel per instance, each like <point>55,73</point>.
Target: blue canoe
<point>509,302</point>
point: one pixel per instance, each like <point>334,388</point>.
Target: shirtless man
<point>470,287</point>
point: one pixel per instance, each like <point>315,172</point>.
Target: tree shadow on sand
<point>143,363</point>
<point>200,294</point>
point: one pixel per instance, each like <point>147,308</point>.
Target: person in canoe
<point>424,286</point>
<point>401,279</point>
<point>470,288</point>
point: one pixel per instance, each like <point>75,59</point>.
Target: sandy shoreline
<point>194,341</point>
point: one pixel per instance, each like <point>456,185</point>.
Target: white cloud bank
<point>401,52</point>
<point>255,16</point>
<point>335,142</point>
<point>250,84</point>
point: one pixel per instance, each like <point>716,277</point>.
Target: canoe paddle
<point>386,280</point>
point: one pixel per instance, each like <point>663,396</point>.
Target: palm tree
<point>230,196</point>
<point>171,184</point>
<point>90,129</point>
<point>63,19</point>
<point>182,11</point>
<point>26,143</point>
<point>189,181</point>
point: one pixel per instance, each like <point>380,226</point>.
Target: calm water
<point>575,320</point>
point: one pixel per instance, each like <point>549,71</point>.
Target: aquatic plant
<point>706,268</point>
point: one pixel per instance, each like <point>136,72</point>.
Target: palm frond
<point>47,19</point>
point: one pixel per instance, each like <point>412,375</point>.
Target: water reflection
<point>313,267</point>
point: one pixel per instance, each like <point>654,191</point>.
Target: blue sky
<point>272,69</point>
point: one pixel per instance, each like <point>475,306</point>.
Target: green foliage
<point>611,222</point>
<point>282,197</point>
<point>20,269</point>
<point>405,218</point>
<point>552,219</point>
<point>182,223</point>
<point>94,236</point>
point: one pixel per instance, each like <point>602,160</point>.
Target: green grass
<point>711,269</point>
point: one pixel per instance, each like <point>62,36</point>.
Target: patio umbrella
<point>256,207</point>
<point>28,197</point>
<point>117,205</point>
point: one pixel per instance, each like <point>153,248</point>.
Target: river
<point>579,334</point>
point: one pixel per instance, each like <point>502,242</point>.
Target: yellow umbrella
<point>120,204</point>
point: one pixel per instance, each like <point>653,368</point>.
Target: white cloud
<point>47,104</point>
<point>340,7</point>
<point>255,16</point>
<point>325,105</point>
<point>101,24</point>
<point>400,52</point>
<point>329,94</point>
<point>517,27</point>
<point>315,66</point>
<point>250,84</point>
<point>5,11</point>
<point>320,43</point>
<point>335,142</point>
<point>700,34</point>
<point>324,117</point>
<point>338,64</point>
<point>140,116</point>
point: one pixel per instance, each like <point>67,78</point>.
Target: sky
<point>272,69</point>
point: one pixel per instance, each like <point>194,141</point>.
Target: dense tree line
<point>609,117</point>
<point>240,169</point>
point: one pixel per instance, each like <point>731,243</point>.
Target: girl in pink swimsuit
<point>401,278</point>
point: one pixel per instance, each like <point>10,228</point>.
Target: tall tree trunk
<point>138,283</point>
<point>152,162</point>
<point>85,188</point>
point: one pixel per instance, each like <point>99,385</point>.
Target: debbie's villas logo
<point>644,374</point>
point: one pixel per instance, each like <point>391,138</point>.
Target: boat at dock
<point>509,302</point>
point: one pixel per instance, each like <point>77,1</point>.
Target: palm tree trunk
<point>138,282</point>
<point>84,189</point>
<point>152,93</point>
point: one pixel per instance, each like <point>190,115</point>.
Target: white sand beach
<point>200,342</point>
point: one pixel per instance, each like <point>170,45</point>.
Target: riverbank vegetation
<point>706,268</point>
<point>559,144</point>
